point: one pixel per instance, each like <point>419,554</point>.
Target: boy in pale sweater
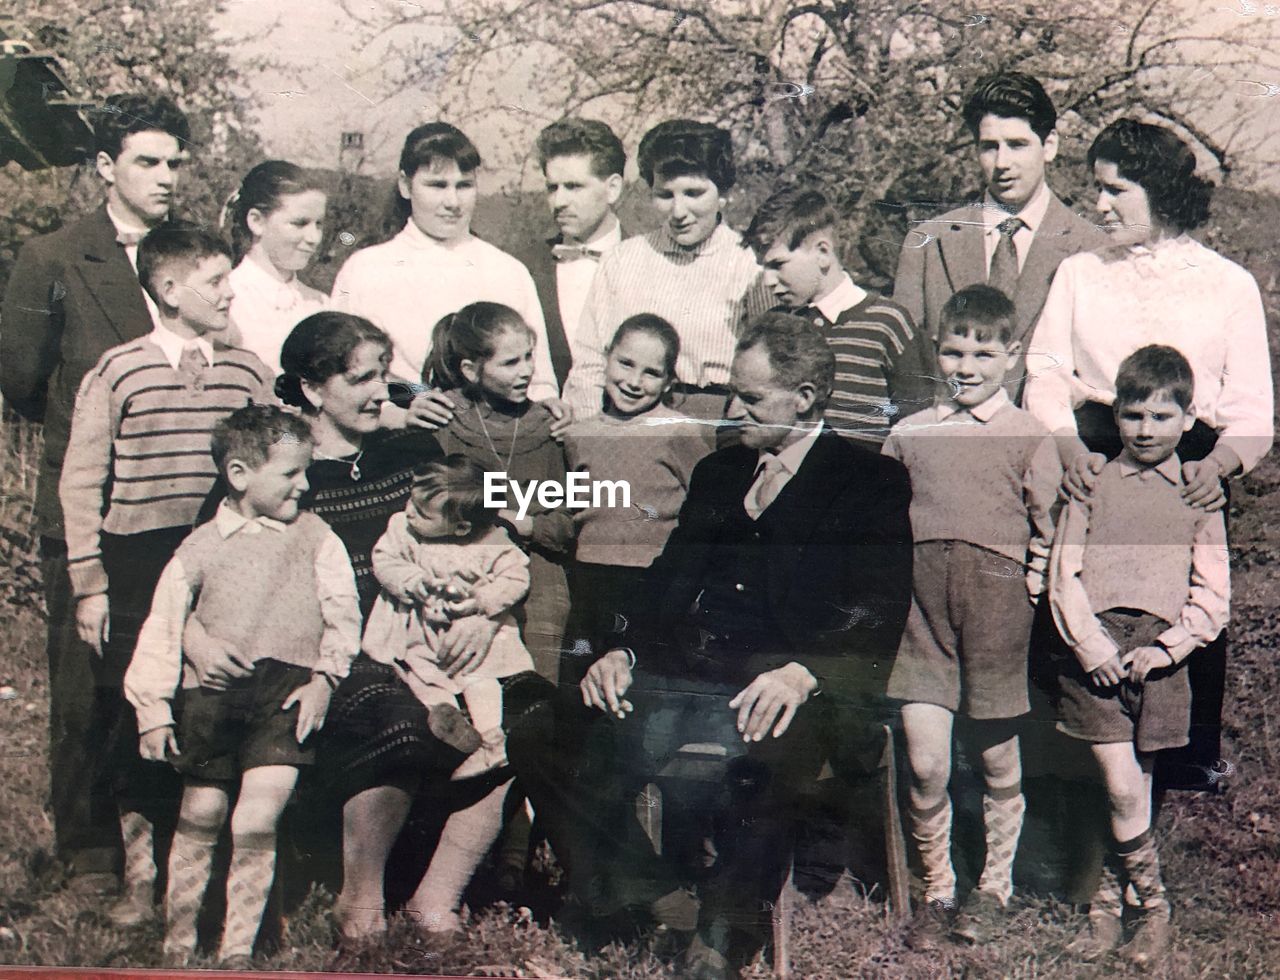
<point>1138,581</point>
<point>136,470</point>
<point>984,482</point>
<point>276,585</point>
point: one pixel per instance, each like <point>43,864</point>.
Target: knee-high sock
<point>466,838</point>
<point>1002,814</point>
<point>138,834</point>
<point>1141,864</point>
<point>931,830</point>
<point>253,867</point>
<point>1107,900</point>
<point>190,858</point>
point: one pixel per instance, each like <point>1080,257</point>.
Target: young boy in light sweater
<point>136,471</point>
<point>984,482</point>
<point>1138,581</point>
<point>276,585</point>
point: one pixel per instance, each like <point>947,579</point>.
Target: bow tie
<point>567,253</point>
<point>129,239</point>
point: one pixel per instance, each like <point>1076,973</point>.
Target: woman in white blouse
<point>1157,285</point>
<point>277,222</point>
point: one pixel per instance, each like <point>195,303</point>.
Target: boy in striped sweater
<point>136,470</point>
<point>884,363</point>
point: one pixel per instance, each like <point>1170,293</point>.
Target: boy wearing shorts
<point>276,585</point>
<point>1139,579</point>
<point>984,482</point>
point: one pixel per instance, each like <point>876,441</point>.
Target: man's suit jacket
<point>839,573</point>
<point>945,254</point>
<point>72,296</point>
<point>541,264</point>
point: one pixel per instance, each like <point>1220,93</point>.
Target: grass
<point>1220,852</point>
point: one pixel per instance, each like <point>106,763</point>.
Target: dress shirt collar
<point>229,521</point>
<point>983,411</point>
<point>793,456</point>
<point>283,295</point>
<point>172,346</point>
<point>723,237</point>
<point>606,236</point>
<point>1032,212</point>
<point>845,296</point>
<point>1168,254</point>
<point>124,226</point>
<point>1170,469</point>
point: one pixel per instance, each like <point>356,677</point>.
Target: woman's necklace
<point>355,463</point>
<point>515,432</point>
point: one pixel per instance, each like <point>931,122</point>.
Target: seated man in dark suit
<point>774,613</point>
<point>582,161</point>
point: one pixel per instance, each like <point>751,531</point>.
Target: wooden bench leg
<point>649,813</point>
<point>782,923</point>
<point>895,843</point>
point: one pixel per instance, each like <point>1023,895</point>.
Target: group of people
<point>268,550</point>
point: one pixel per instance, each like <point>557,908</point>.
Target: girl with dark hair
<point>277,223</point>
<point>433,265</point>
<point>694,271</point>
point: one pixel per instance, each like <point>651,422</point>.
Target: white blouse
<point>265,310</point>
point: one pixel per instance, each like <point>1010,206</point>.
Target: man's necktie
<point>567,253</point>
<point>191,367</point>
<point>765,488</point>
<point>1004,263</point>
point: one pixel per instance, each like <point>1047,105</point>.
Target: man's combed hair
<point>583,137</point>
<point>122,115</point>
<point>797,350</point>
<point>981,312</point>
<point>1151,369</point>
<point>684,148</point>
<point>1163,165</point>
<point>460,480</point>
<point>790,216</point>
<point>248,434</point>
<point>174,244</point>
<point>1011,95</point>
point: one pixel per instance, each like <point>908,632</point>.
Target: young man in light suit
<point>73,294</point>
<point>582,161</point>
<point>1014,238</point>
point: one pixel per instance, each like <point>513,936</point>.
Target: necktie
<point>567,253</point>
<point>1004,263</point>
<point>765,488</point>
<point>191,367</point>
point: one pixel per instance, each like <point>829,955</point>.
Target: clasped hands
<point>767,704</point>
<point>1133,666</point>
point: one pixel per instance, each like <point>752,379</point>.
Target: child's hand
<point>1144,660</point>
<point>93,621</point>
<point>1109,674</point>
<point>312,700</point>
<point>158,744</point>
<point>462,607</point>
<point>522,526</point>
<point>215,662</point>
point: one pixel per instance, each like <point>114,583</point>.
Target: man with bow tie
<point>73,294</point>
<point>1015,237</point>
<point>582,161</point>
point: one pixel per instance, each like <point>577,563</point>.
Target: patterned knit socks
<point>190,859</point>
<point>931,830</point>
<point>253,868</point>
<point>138,835</point>
<point>1141,865</point>
<point>1003,810</point>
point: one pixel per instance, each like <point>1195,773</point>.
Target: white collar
<point>1170,468</point>
<point>229,521</point>
<point>123,226</point>
<point>172,346</point>
<point>983,411</point>
<point>1032,213</point>
<point>283,295</point>
<point>606,236</point>
<point>793,456</point>
<point>415,237</point>
<point>845,296</point>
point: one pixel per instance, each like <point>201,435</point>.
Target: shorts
<point>1153,715</point>
<point>223,733</point>
<point>967,635</point>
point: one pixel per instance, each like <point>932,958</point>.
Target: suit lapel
<point>543,270</point>
<point>1054,241</point>
<point>960,243</point>
<point>108,277</point>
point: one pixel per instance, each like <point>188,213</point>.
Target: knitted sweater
<point>139,449</point>
<point>654,453</point>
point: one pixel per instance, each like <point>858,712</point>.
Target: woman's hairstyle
<point>1163,165</point>
<point>654,326</point>
<point>122,115</point>
<point>471,334</point>
<point>682,148</point>
<point>263,189</point>
<point>460,480</point>
<point>1151,369</point>
<point>1011,95</point>
<point>319,347</point>
<point>429,146</point>
<point>797,350</point>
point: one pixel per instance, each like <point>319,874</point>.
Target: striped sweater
<point>138,459</point>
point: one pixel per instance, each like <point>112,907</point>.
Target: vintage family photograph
<point>639,488</point>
